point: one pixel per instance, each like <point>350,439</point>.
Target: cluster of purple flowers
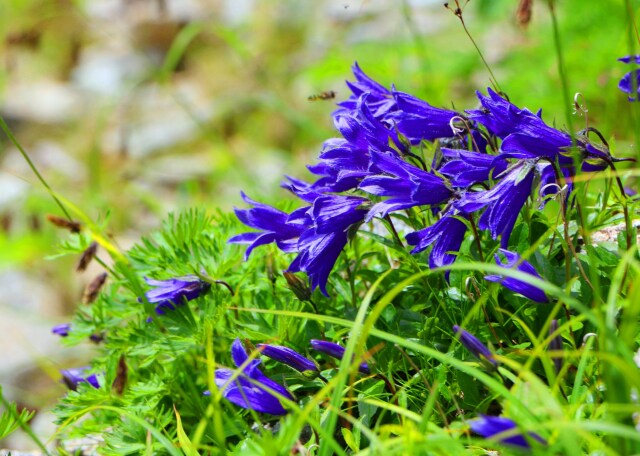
<point>490,162</point>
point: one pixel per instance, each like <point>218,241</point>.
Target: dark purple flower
<point>555,344</point>
<point>289,357</point>
<point>419,121</point>
<point>501,117</point>
<point>272,222</point>
<point>173,292</point>
<point>446,235</point>
<point>405,185</point>
<point>332,216</point>
<point>250,389</point>
<point>490,426</point>
<point>335,351</point>
<point>527,290</point>
<point>477,348</point>
<point>630,82</point>
<point>380,101</point>
<point>465,168</point>
<point>73,377</point>
<point>503,202</point>
<point>62,329</point>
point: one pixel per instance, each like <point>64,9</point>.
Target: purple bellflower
<point>405,185</point>
<point>419,121</point>
<point>465,168</point>
<point>289,357</point>
<point>172,292</point>
<point>477,348</point>
<point>490,426</point>
<point>319,246</point>
<point>516,285</point>
<point>630,82</point>
<point>446,235</point>
<point>380,100</point>
<point>250,389</point>
<point>272,222</point>
<point>335,351</point>
<point>62,329</point>
<point>503,202</point>
<point>501,117</point>
<point>73,377</point>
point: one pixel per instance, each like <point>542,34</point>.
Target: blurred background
<point>135,108</point>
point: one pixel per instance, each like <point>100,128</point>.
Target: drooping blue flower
<point>630,82</point>
<point>289,357</point>
<point>405,184</point>
<point>516,285</point>
<point>503,202</point>
<point>380,100</point>
<point>477,348</point>
<point>250,389</point>
<point>273,225</point>
<point>500,116</point>
<point>419,121</point>
<point>465,168</point>
<point>492,426</point>
<point>446,235</point>
<point>74,376</point>
<point>335,351</point>
<point>62,329</point>
<point>173,292</point>
<point>332,216</point>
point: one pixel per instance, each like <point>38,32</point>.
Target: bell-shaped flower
<point>464,168</point>
<point>405,184</point>
<point>503,202</point>
<point>320,246</point>
<point>248,387</point>
<point>335,351</point>
<point>62,330</point>
<point>74,376</point>
<point>419,121</point>
<point>630,82</point>
<point>446,235</point>
<point>273,225</point>
<point>380,101</point>
<point>477,348</point>
<point>491,427</point>
<point>170,293</point>
<point>289,357</point>
<point>513,260</point>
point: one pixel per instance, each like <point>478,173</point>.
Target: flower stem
<point>15,142</point>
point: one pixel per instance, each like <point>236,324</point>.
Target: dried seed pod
<point>87,256</point>
<point>523,13</point>
<point>92,290</point>
<point>120,381</point>
<point>71,225</point>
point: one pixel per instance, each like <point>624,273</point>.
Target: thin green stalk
<point>15,142</point>
<point>25,427</point>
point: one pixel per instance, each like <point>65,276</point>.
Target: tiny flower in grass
<point>173,292</point>
<point>335,351</point>
<point>73,377</point>
<point>490,426</point>
<point>249,388</point>
<point>527,290</point>
<point>289,357</point>
<point>476,347</point>
<point>62,329</point>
